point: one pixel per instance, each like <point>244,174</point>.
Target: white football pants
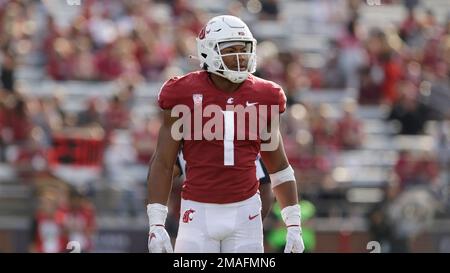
<point>220,228</point>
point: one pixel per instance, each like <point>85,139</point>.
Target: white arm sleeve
<point>282,176</point>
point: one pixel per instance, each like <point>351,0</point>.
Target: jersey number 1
<point>228,144</point>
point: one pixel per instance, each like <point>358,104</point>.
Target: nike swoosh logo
<point>250,103</point>
<point>252,217</point>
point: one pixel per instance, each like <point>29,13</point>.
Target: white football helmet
<point>219,32</point>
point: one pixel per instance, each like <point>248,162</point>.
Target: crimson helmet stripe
<point>201,35</point>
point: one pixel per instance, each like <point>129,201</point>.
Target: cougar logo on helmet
<point>201,35</point>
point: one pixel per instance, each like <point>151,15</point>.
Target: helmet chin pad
<point>232,76</point>
<point>235,76</point>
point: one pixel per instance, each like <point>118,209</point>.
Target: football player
<point>220,207</point>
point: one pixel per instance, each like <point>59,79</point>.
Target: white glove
<point>158,238</point>
<point>294,241</point>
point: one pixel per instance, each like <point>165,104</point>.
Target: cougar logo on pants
<point>188,215</point>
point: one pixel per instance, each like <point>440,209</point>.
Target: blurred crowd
<point>404,69</point>
<point>64,220</point>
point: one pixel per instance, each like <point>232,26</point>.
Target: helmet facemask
<point>240,64</point>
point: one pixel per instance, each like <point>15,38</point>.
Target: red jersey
<point>218,173</point>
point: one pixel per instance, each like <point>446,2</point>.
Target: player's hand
<point>291,216</point>
<point>294,241</point>
<point>159,240</point>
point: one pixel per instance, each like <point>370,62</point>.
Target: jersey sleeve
<point>167,96</point>
<point>281,98</point>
